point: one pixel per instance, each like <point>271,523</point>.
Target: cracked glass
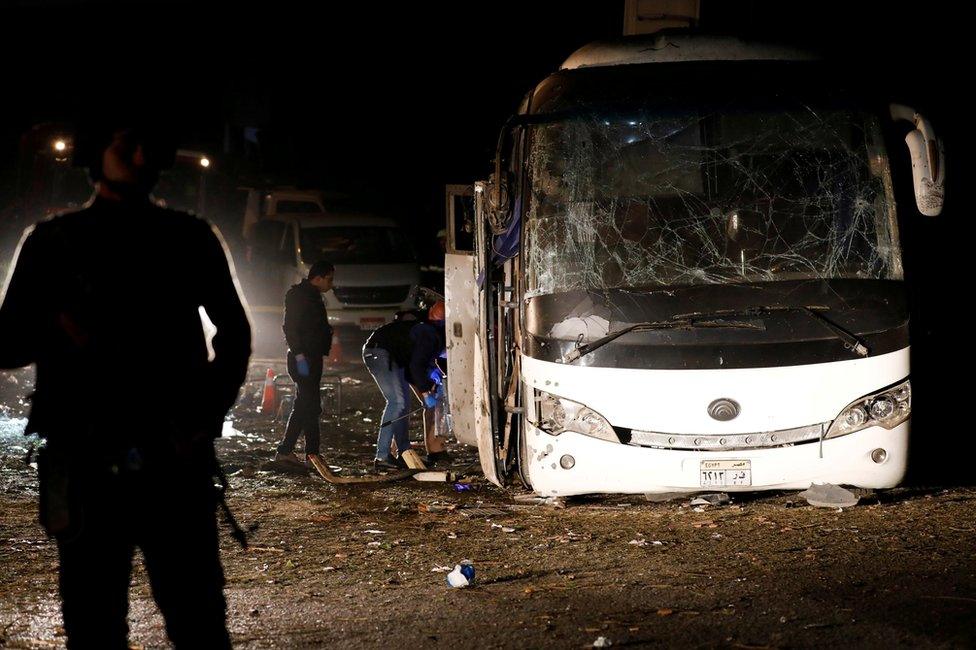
<point>695,196</point>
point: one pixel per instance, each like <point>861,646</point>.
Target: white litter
<point>827,495</point>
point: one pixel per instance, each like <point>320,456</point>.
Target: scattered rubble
<point>311,550</point>
<point>827,495</point>
<point>462,575</point>
<point>665,497</point>
<point>535,499</point>
<point>711,499</point>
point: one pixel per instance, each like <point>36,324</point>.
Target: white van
<point>376,267</point>
<point>687,275</point>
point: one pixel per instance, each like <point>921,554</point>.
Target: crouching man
<point>402,356</point>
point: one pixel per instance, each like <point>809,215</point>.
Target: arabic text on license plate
<point>722,473</point>
<point>371,323</point>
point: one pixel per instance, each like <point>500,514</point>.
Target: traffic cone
<point>335,353</point>
<point>270,398</point>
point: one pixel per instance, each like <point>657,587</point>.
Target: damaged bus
<point>686,275</point>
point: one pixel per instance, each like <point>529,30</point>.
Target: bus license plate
<point>723,473</point>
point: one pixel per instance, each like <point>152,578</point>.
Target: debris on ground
<point>462,575</point>
<point>480,512</point>
<point>827,495</point>
<point>664,497</point>
<point>708,523</point>
<point>602,642</point>
<point>581,580</point>
<point>326,472</point>
<point>640,541</point>
<point>435,477</point>
<point>536,499</point>
<point>435,506</point>
<point>284,467</point>
<point>711,499</point>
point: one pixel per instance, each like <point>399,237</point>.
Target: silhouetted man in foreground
<point>106,301</point>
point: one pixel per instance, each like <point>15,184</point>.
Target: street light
<point>60,145</point>
<point>204,162</point>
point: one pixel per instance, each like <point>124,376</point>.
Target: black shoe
<point>384,466</point>
<point>288,458</point>
<point>437,458</point>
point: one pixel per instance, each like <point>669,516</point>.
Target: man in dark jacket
<point>309,338</point>
<point>121,286</point>
<point>399,355</point>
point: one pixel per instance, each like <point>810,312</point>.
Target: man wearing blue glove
<point>401,356</point>
<point>309,338</point>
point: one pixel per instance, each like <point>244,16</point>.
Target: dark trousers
<point>307,409</point>
<point>172,519</point>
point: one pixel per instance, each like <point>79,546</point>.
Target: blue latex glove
<point>437,376</point>
<point>430,401</point>
<point>301,364</point>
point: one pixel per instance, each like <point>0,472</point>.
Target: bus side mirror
<point>928,161</point>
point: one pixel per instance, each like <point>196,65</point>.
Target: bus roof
<point>676,48</point>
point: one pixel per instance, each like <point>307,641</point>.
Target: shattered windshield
<point>691,196</point>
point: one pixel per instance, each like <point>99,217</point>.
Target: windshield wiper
<point>707,319</point>
<point>850,341</point>
<point>685,322</point>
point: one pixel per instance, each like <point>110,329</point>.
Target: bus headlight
<point>557,414</point>
<point>887,409</point>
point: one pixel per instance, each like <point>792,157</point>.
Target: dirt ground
<point>364,566</point>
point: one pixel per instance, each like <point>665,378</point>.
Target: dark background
<point>388,102</point>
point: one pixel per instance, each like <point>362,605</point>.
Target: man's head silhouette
<point>124,162</point>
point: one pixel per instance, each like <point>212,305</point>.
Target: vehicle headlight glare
<point>882,408</point>
<point>557,415</point>
<point>887,408</point>
<point>855,417</point>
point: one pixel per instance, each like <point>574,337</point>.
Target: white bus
<point>686,275</point>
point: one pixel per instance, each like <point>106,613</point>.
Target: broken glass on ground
<point>536,499</point>
<point>711,499</point>
<point>827,495</point>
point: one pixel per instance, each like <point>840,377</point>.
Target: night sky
<point>387,102</point>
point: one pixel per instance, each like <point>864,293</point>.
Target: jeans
<point>393,384</point>
<point>307,409</point>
